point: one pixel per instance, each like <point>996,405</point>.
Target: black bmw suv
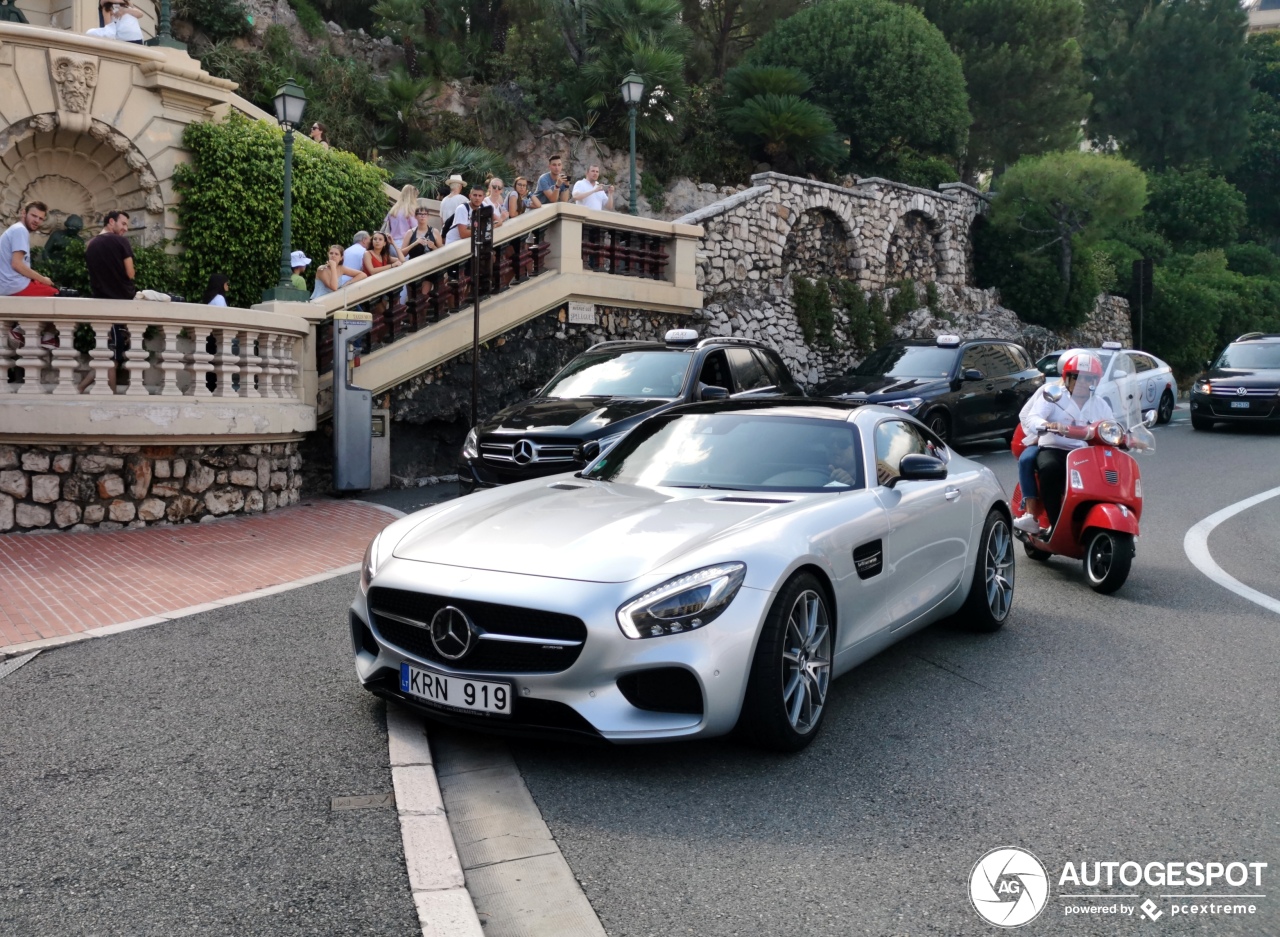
<point>605,391</point>
<point>962,390</point>
<point>1241,386</point>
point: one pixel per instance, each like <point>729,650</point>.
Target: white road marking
<point>1196,545</point>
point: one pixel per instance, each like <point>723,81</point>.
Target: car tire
<point>1040,556</point>
<point>1201,422</point>
<point>1108,556</point>
<point>991,592</point>
<point>940,423</point>
<point>794,653</point>
<point>1164,413</point>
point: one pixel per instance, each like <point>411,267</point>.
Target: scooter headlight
<point>682,604</point>
<point>1110,433</point>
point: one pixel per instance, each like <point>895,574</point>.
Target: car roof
<point>933,342</point>
<point>1258,337</point>
<point>806,407</point>
<point>713,341</point>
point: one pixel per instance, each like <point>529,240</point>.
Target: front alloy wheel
<point>941,425</point>
<point>1164,413</point>
<point>991,592</point>
<point>791,671</point>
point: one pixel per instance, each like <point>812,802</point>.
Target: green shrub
<point>653,192</point>
<point>155,268</point>
<point>428,171</point>
<point>309,18</point>
<point>904,301</point>
<point>67,271</point>
<point>1253,260</point>
<point>868,326</point>
<point>218,19</point>
<point>233,200</point>
<point>813,310</point>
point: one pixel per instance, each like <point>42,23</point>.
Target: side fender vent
<point>868,559</point>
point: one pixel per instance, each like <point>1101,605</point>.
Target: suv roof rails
<point>1250,336</point>
<point>729,340</point>
<point>625,341</point>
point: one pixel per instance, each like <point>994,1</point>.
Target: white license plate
<point>456,692</point>
<point>1239,405</point>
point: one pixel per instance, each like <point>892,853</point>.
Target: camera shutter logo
<point>451,633</point>
<point>1008,887</point>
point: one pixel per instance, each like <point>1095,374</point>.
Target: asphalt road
<point>178,780</point>
<point>1136,727</point>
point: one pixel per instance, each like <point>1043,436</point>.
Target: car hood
<point>877,384</point>
<point>576,416</point>
<point>1245,377</point>
<point>594,531</point>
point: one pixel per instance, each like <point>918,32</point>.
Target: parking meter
<point>352,407</point>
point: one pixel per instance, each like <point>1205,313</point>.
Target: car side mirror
<point>1053,393</point>
<point>1149,418</point>
<point>589,450</point>
<point>1116,375</point>
<point>972,374</point>
<point>712,392</point>
<point>921,468</point>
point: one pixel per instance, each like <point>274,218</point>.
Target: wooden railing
<point>623,253</point>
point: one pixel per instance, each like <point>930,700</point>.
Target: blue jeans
<point>1027,472</point>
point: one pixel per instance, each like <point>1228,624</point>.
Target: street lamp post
<point>290,102</point>
<point>632,92</point>
<point>164,17</point>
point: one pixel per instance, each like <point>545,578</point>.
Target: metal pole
<point>165,16</point>
<point>286,271</point>
<point>633,159</point>
<point>475,332</point>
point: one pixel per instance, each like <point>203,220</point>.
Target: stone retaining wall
<point>110,487</point>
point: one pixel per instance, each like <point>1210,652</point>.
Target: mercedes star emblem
<point>451,633</point>
<point>524,452</point>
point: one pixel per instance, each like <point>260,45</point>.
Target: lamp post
<point>632,92</point>
<point>290,102</point>
<point>163,37</point>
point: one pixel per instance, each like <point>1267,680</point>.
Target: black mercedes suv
<point>605,391</point>
<point>1241,386</point>
<point>962,390</point>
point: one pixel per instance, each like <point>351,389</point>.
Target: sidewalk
<point>60,585</point>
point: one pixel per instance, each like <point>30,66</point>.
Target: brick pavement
<point>64,584</point>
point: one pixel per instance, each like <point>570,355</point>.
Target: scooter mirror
<point>1149,418</point>
<point>1053,393</point>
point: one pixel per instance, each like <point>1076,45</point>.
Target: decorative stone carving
<point>75,77</point>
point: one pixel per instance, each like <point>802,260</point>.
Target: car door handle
<point>952,493</point>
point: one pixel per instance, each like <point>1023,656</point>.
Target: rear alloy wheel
<point>1201,422</point>
<point>791,671</point>
<point>1164,413</point>
<point>1107,559</point>
<point>991,593</point>
<point>940,423</point>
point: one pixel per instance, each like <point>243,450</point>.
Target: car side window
<point>779,376</point>
<point>1142,363</point>
<point>895,439</point>
<point>1122,362</point>
<point>747,370</point>
<point>1007,355</point>
<point>1022,356</point>
<point>715,371</point>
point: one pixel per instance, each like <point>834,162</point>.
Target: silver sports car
<point>715,569</point>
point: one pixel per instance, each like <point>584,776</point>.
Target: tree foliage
<point>1195,210</point>
<point>1171,80</point>
<point>427,171</point>
<point>765,108</point>
<point>1022,67</point>
<point>233,203</point>
<point>723,30</point>
<point>882,71</point>
<point>1258,173</point>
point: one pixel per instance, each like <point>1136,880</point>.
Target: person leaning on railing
<point>521,199</point>
<point>119,21</point>
<point>333,273</point>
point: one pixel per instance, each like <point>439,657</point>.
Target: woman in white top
<point>495,200</point>
<point>120,21</point>
<point>333,273</point>
<point>215,294</point>
<point>399,221</point>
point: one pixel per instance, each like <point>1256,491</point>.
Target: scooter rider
<point>1081,371</point>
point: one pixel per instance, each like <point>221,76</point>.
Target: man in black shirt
<point>109,258</point>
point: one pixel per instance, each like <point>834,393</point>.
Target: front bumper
<point>1219,407</point>
<point>585,700</point>
<point>475,474</point>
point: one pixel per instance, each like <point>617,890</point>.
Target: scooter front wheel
<point>1107,559</point>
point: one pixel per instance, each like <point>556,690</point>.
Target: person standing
<point>119,21</point>
<point>399,220</point>
<point>450,203</point>
<point>553,185</point>
<point>353,256</point>
<point>320,134</point>
<point>495,200</point>
<point>109,259</point>
<point>461,227</point>
<point>298,261</point>
<point>521,200</point>
<point>215,294</point>
<point>592,193</point>
<point>422,238</point>
<point>17,276</point>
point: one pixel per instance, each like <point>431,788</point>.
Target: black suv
<point>605,391</point>
<point>1241,386</point>
<point>962,390</point>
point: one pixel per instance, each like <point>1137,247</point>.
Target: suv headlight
<point>906,403</point>
<point>471,447</point>
<point>1110,433</point>
<point>682,604</point>
<point>1203,387</point>
<point>369,565</point>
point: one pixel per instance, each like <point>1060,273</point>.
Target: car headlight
<point>369,565</point>
<point>1203,387</point>
<point>682,604</point>
<point>1110,433</point>
<point>906,403</point>
<point>471,447</point>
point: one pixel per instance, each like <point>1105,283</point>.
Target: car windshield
<point>1250,356</point>
<point>622,374</point>
<point>736,451</point>
<point>908,361</point>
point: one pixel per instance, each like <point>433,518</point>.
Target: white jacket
<point>1039,411</point>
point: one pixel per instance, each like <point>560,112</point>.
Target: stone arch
<point>914,247</point>
<point>87,174</point>
<point>819,244</point>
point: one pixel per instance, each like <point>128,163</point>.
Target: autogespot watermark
<point>1009,887</point>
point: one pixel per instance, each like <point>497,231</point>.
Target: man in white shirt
<point>590,193</point>
<point>17,276</point>
<point>449,204</point>
<point>461,227</point>
<point>353,256</point>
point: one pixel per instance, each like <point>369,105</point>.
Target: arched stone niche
<point>82,173</point>
<point>818,245</point>
<point>914,248</point>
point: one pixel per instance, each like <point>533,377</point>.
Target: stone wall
<point>110,487</point>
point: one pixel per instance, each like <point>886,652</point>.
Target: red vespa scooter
<point>1102,505</point>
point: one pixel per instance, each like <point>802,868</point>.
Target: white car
<point>715,569</point>
<point>1130,377</point>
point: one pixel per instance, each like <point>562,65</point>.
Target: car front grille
<point>1223,390</point>
<point>526,452</point>
<point>512,639</point>
<point>1113,477</point>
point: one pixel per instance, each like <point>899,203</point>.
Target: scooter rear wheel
<point>1107,559</point>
